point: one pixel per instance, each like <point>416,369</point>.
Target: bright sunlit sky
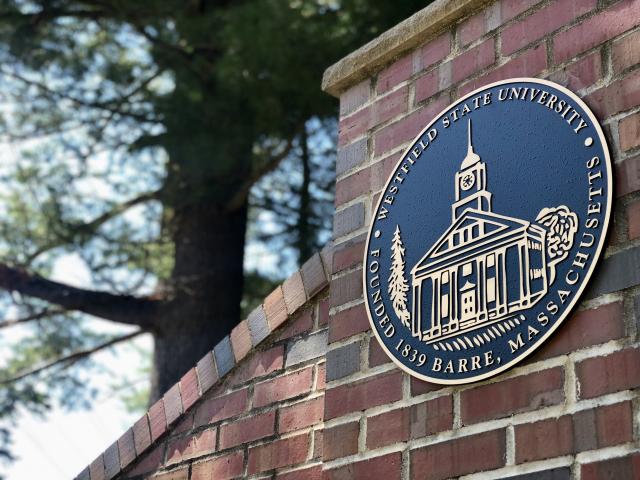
<point>61,445</point>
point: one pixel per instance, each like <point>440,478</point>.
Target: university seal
<point>487,231</point>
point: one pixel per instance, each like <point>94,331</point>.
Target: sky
<point>61,445</point>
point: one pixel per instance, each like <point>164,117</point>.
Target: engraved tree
<point>398,286</point>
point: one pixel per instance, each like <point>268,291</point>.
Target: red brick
<point>340,441</point>
<point>629,130</point>
<point>396,73</point>
<point>582,73</point>
<point>279,453</point>
<point>247,430</point>
<point>518,394</point>
<point>627,176</point>
<point>388,428</point>
<point>612,469</point>
<point>192,446</point>
<point>570,434</point>
<point>528,64</point>
<point>141,434</point>
<point>321,377</point>
<point>390,106</point>
<point>472,61</point>
<point>353,397</point>
<point>347,323</point>
<point>318,443</point>
<point>172,404</point>
<point>402,131</point>
<point>377,355</point>
<point>613,424</point>
<point>282,388</point>
<point>625,52</point>
<point>544,439</point>
<point>179,474</point>
<point>96,469</point>
<point>301,323</point>
<point>355,97</point>
<point>427,85</point>
<point>126,448</point>
<point>221,408</point>
<point>313,473</point>
<point>184,425</point>
<point>434,51</point>
<point>352,186</point>
<point>472,29</point>
<point>584,329</point>
<point>348,254</point>
<point>241,340</point>
<point>157,420</point>
<point>474,453</point>
<point>431,417</point>
<point>608,374</point>
<point>593,31</point>
<point>301,415</point>
<point>387,467</point>
<point>148,462</point>
<point>219,468</point>
<point>420,387</point>
<point>621,95</point>
<point>275,308</point>
<point>314,277</point>
<point>294,294</point>
<point>512,8</point>
<point>354,126</point>
<point>346,288</point>
<point>189,389</point>
<point>380,172</point>
<point>633,219</point>
<point>542,22</point>
<point>381,111</point>
<point>207,372</point>
<point>261,364</point>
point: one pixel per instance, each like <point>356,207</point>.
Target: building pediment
<point>478,226</point>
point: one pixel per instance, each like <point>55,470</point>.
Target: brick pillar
<point>570,409</point>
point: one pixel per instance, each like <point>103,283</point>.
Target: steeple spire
<point>472,158</point>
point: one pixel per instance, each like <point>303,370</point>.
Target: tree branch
<point>71,358</point>
<point>237,200</point>
<point>125,309</point>
<point>35,316</point>
<point>90,227</point>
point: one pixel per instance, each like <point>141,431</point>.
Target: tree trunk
<point>207,280</point>
<point>305,230</point>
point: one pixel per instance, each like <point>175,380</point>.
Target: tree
<point>141,128</point>
<point>398,286</point>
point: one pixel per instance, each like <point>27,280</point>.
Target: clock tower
<point>471,183</point>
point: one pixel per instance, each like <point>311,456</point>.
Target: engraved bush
<point>561,225</point>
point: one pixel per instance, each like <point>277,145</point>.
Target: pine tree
<point>398,286</point>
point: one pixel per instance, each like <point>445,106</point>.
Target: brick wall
<point>301,389</point>
<point>264,416</point>
<point>571,410</point>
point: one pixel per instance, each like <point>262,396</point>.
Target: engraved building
<point>484,268</point>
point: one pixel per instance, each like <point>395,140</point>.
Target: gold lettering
<point>519,343</point>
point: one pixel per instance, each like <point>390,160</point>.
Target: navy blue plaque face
<point>487,231</point>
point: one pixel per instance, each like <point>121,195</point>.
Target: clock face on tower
<point>467,181</point>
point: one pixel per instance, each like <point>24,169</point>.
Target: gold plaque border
<point>587,277</point>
